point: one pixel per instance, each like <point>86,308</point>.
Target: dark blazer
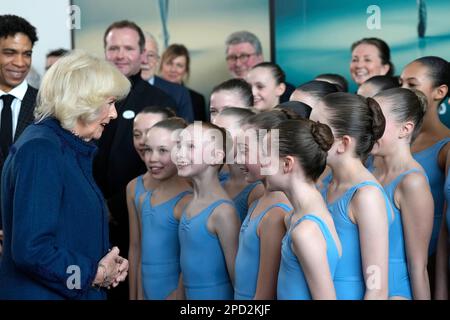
<point>26,117</point>
<point>181,96</point>
<point>55,218</point>
<point>199,105</point>
<point>26,114</point>
<point>117,162</point>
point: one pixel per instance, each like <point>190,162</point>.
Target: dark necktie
<point>6,124</point>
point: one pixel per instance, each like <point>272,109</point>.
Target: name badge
<point>128,114</point>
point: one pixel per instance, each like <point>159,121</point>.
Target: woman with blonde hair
<point>55,219</point>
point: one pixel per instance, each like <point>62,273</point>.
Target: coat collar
<point>86,148</point>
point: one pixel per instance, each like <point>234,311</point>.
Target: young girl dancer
<point>143,121</point>
<point>231,93</point>
<point>161,212</point>
<point>431,149</point>
<point>259,252</point>
<point>407,187</point>
<point>442,254</point>
<point>268,83</point>
<point>209,226</point>
<point>311,247</point>
<point>357,202</point>
<point>242,192</point>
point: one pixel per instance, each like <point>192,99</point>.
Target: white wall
<point>49,17</point>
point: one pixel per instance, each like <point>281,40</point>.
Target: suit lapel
<point>26,116</point>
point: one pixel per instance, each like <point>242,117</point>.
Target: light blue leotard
<point>139,189</point>
<point>160,248</point>
<point>325,183</point>
<point>292,284</point>
<point>428,159</point>
<point>447,197</point>
<point>205,274</point>
<point>224,176</point>
<point>369,163</point>
<point>399,281</point>
<point>241,199</point>
<point>349,279</point>
<point>248,255</point>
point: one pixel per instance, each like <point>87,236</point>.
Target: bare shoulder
<point>367,194</point>
<point>131,186</point>
<point>223,217</point>
<point>256,193</point>
<point>182,204</point>
<point>185,200</point>
<point>275,215</point>
<point>367,198</point>
<point>413,183</point>
<point>223,211</point>
<point>307,236</point>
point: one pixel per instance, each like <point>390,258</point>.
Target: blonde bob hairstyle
<point>76,87</point>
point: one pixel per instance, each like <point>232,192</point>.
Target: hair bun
<point>289,114</point>
<point>422,100</point>
<point>378,119</point>
<point>322,135</point>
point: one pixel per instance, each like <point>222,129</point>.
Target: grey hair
<point>149,36</point>
<point>242,37</point>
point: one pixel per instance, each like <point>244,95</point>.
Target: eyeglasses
<point>243,58</point>
<point>152,55</point>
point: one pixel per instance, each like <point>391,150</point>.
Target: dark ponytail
<point>357,117</point>
<point>299,108</point>
<point>270,119</point>
<point>405,105</point>
<point>322,135</point>
<point>378,119</point>
<point>307,141</point>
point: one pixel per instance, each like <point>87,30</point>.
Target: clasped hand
<point>112,269</point>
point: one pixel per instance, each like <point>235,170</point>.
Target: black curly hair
<point>12,24</point>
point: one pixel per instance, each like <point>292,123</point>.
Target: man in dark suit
<point>178,92</point>
<point>117,162</point>
<point>17,98</point>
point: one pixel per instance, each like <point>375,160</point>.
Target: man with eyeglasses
<point>243,52</point>
<point>179,93</point>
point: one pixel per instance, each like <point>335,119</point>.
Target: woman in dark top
<point>55,221</point>
<point>175,67</point>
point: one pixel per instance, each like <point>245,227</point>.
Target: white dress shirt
<point>18,92</point>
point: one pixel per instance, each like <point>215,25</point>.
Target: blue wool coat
<point>54,217</point>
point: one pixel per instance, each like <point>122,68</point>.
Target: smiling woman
<point>370,57</point>
<point>49,177</point>
<point>80,92</point>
